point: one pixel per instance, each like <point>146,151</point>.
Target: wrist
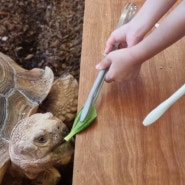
<point>137,54</point>
<point>138,31</point>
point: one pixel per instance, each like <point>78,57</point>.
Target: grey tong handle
<point>93,93</point>
<point>127,14</point>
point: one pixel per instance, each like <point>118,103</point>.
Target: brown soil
<point>39,33</point>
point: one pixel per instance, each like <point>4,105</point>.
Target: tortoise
<point>36,111</point>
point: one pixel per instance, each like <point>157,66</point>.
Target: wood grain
<point>117,149</point>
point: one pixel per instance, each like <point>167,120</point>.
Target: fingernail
<point>98,66</point>
<point>105,50</point>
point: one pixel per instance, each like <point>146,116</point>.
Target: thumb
<point>104,64</point>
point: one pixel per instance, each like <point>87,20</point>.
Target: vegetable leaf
<point>79,126</point>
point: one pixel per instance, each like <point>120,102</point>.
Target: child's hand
<point>125,63</point>
<point>122,66</point>
<point>125,36</point>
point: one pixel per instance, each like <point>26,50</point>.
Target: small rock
<point>4,38</point>
<point>29,56</point>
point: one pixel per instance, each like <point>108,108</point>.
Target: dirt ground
<point>39,33</point>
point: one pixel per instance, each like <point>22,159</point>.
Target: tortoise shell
<point>21,91</point>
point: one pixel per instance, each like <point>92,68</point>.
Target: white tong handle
<point>163,107</point>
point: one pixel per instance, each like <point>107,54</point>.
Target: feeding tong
<point>127,14</point>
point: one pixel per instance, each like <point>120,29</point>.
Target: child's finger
<point>104,64</point>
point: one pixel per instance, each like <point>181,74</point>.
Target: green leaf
<point>79,126</point>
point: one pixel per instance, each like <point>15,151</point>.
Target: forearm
<point>169,31</point>
<point>149,14</point>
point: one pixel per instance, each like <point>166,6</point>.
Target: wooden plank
<point>117,149</point>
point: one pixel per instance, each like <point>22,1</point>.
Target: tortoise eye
<point>41,139</point>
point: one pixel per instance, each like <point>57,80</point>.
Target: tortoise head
<point>37,142</point>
